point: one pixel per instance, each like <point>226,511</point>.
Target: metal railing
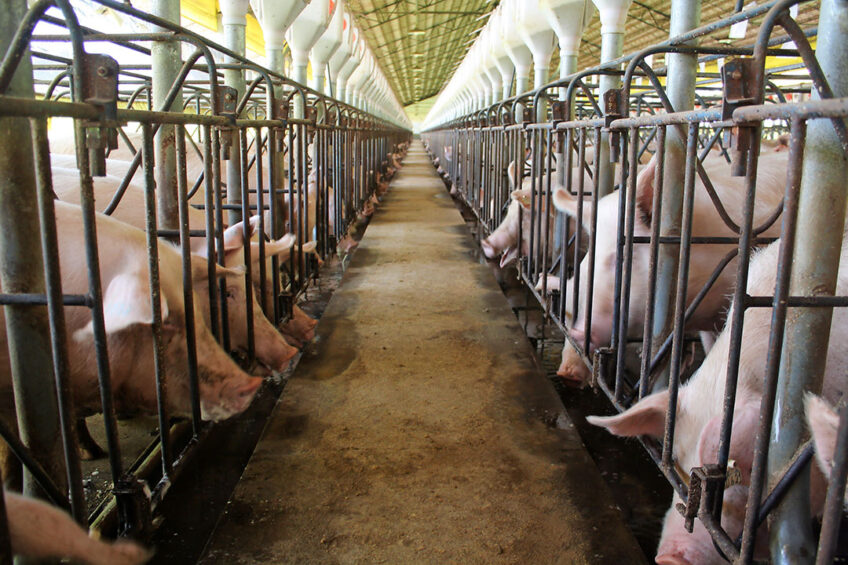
<point>596,271</point>
<point>303,176</point>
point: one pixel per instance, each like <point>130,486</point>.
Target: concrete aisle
<point>418,428</point>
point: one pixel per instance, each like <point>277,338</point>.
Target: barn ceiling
<point>419,43</point>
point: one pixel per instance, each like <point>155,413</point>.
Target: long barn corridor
<point>418,428</point>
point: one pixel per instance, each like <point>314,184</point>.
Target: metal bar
<point>188,285</point>
<point>21,259</point>
<point>818,243</point>
<point>248,264</point>
<point>155,301</point>
<point>685,15</point>
<point>166,60</point>
<point>56,315</point>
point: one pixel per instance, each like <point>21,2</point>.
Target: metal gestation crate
<point>566,136</point>
<point>197,144</point>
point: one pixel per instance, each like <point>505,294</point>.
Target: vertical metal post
<point>612,46</point>
<point>818,244</point>
<point>58,338</point>
<point>234,40</point>
<point>27,327</point>
<point>685,15</point>
<point>167,61</point>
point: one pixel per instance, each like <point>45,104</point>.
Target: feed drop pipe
<point>818,240</point>
<point>613,15</point>
<point>340,58</point>
<point>301,36</point>
<point>326,46</point>
<point>166,61</point>
<point>518,53</point>
<point>567,18</point>
<point>685,15</point>
<point>21,263</point>
<point>234,18</point>
<point>540,39</point>
<point>275,17</point>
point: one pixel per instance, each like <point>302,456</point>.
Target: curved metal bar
<point>18,45</point>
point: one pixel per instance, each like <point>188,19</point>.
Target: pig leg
<point>40,531</point>
<point>88,448</point>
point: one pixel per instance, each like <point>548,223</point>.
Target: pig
<point>699,412</point>
<point>503,241</point>
<point>272,351</point>
<point>40,531</point>
<point>300,329</point>
<point>225,390</point>
<point>823,422</point>
<point>704,258</point>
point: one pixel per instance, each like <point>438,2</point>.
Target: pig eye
<point>230,294</point>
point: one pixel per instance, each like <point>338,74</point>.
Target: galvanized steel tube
<point>166,61</point>
<point>818,243</point>
<point>685,16</point>
<point>21,262</point>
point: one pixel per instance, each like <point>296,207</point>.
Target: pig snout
<point>273,351</point>
<point>679,547</point>
<point>229,397</point>
<point>488,249</point>
<point>572,369</point>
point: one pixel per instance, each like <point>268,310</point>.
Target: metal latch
<point>134,511</point>
<point>737,90</point>
<point>601,361</point>
<point>100,87</point>
<point>226,102</point>
<point>613,110</point>
<point>705,483</point>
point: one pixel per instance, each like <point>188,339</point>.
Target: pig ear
<point>280,248</point>
<point>646,417</point>
<point>310,246</point>
<point>645,190</point>
<point>565,202</point>
<point>510,173</point>
<point>125,302</point>
<point>509,255</point>
<point>522,197</point>
<point>234,235</point>
<point>823,422</point>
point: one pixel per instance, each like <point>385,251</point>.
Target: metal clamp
<point>737,87</point>
<point>100,87</point>
<point>601,361</point>
<point>134,506</point>
<point>613,110</point>
<point>226,102</point>
<point>705,483</point>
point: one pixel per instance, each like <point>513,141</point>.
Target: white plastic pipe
<point>613,16</point>
<point>568,18</point>
<point>501,59</point>
<point>275,17</point>
<point>538,36</point>
<point>341,56</point>
<point>327,45</point>
<point>514,46</point>
<point>349,67</point>
<point>304,33</point>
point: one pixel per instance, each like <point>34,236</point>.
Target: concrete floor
<point>419,428</point>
